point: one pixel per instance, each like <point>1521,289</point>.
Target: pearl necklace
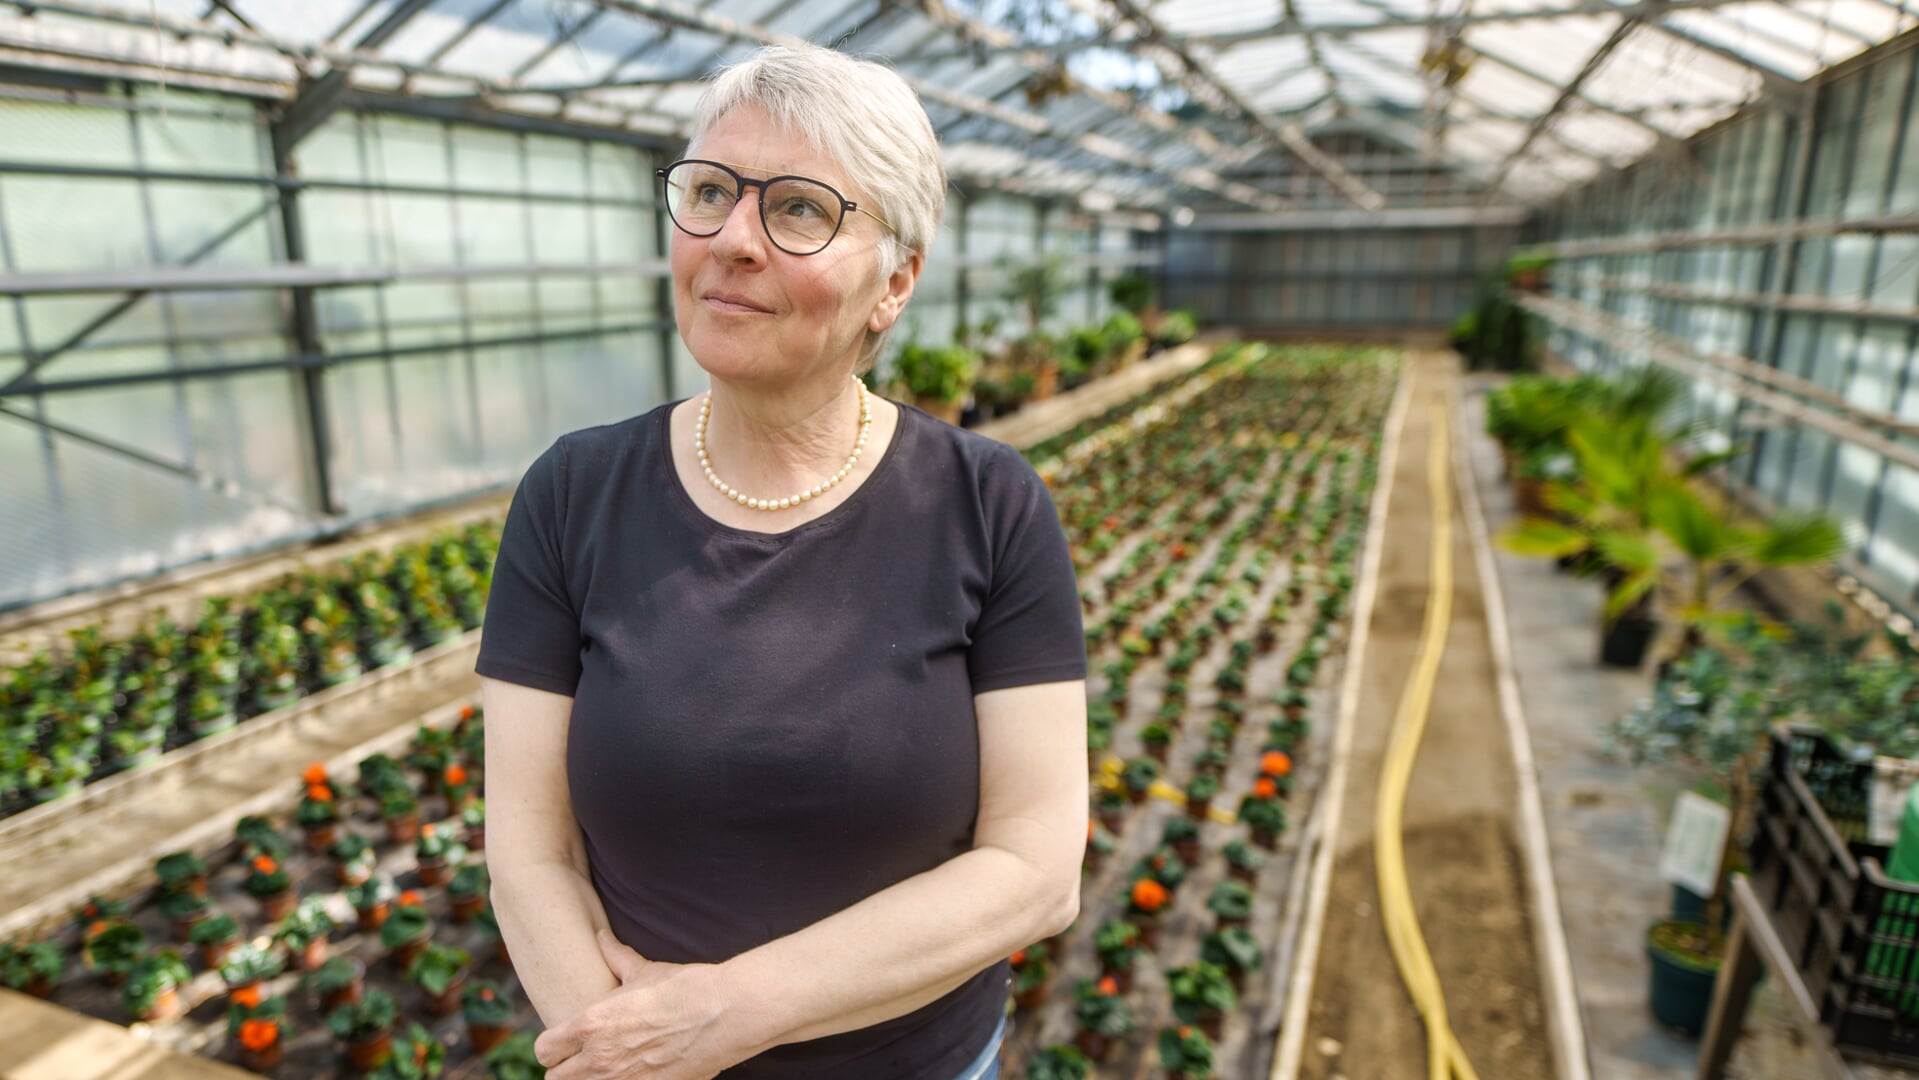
<point>699,444</point>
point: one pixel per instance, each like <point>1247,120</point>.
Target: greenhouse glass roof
<point>1121,104</point>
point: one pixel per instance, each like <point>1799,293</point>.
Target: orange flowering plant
<point>1184,1051</point>
<point>1100,1009</point>
<point>1032,966</point>
<point>266,877</point>
<point>256,1021</point>
<point>484,1004</point>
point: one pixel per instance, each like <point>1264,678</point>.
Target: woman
<point>784,681</point>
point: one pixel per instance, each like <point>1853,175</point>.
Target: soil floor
<point>1462,858</point>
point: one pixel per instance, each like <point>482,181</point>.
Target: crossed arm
<point>887,955</point>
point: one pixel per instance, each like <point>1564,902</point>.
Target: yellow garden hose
<point>1444,1057</point>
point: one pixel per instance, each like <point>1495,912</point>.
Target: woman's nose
<point>740,235</point>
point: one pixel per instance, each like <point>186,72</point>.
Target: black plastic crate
<point>1852,932</point>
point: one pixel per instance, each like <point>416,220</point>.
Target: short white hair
<point>862,115</point>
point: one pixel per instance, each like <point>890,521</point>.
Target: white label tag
<point>1695,839</point>
<point>1892,779</point>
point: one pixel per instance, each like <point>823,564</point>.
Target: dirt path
<point>1467,880</point>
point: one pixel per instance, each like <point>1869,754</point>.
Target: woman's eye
<point>801,208</point>
<point>709,193</point>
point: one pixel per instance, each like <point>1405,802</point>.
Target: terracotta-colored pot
<point>197,885</point>
<point>349,874</point>
<point>402,955</point>
<point>371,919</point>
<point>1211,1021</point>
<point>403,830</point>
<point>1148,930</point>
<point>1113,819</point>
<point>183,925</point>
<point>499,950</point>
<point>1157,751</point>
<point>345,995</point>
<point>448,1003</point>
<point>213,954</point>
<point>1197,810</point>
<point>367,1054</point>
<point>264,1059</point>
<point>243,987</point>
<point>1266,839</point>
<point>1122,978</point>
<point>277,906</point>
<point>485,1037</point>
<point>1033,997</point>
<point>1243,873</point>
<point>1187,850</point>
<point>321,837</point>
<point>1134,797</point>
<point>434,870</point>
<point>1222,923</point>
<point>1094,1045</point>
<point>39,986</point>
<point>1091,861</point>
<point>466,907</point>
<point>166,1006</point>
<point>114,978</point>
<point>475,837</point>
<point>311,955</point>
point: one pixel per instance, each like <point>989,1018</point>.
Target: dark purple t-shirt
<point>769,728</point>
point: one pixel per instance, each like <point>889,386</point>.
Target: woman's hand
<point>665,1022</point>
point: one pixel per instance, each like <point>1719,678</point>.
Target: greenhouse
<point>1431,491</point>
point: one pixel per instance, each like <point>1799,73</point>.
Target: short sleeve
<point>1029,628</point>
<point>531,634</point>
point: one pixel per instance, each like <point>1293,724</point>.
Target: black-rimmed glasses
<point>801,216</point>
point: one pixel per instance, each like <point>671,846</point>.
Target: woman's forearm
<point>897,950</point>
<point>548,914</point>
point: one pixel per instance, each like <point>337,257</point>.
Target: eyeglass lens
<point>800,215</point>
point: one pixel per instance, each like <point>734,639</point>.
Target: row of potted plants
<point>108,705</point>
<point>1152,604</point>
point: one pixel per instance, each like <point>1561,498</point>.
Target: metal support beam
<point>323,97</point>
<point>1289,135</point>
<point>1566,93</point>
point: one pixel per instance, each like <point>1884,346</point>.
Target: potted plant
<point>372,901</point>
<point>1137,778</point>
<point>1144,902</point>
<point>407,930</point>
<point>937,377</point>
<point>1212,761</point>
<point>417,1055</point>
<point>1154,738</point>
<point>489,1015</point>
<point>490,929</point>
<point>152,990</point>
<point>257,836</point>
<point>1061,1062</point>
<point>1103,1016</point>
<point>1266,817</point>
<point>1202,995</point>
<point>400,808</point>
<point>1199,796</point>
<point>473,818</point>
<point>110,947</point>
<point>1235,951</point>
<point>1185,1053</point>
<point>182,871</point>
<point>436,854</point>
<point>183,911</point>
<point>440,971</point>
<point>249,965</point>
<point>304,933</point>
<point>353,858</point>
<point>459,787</point>
<point>1242,862</point>
<point>260,1027</point>
<point>1526,270</point>
<point>1032,974</point>
<point>365,1028</point>
<point>269,883</point>
<point>339,981</point>
<point>514,1059</point>
<point>32,968</point>
<point>1110,806</point>
<point>1231,903</point>
<point>215,936</point>
<point>1182,835</point>
<point>467,892</point>
<point>319,818</point>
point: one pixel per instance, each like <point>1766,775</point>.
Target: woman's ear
<point>899,289</point>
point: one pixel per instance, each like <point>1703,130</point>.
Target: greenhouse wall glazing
<point>492,289</point>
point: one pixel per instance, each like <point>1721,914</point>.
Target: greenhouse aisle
<point>1603,818</point>
<point>1462,855</point>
